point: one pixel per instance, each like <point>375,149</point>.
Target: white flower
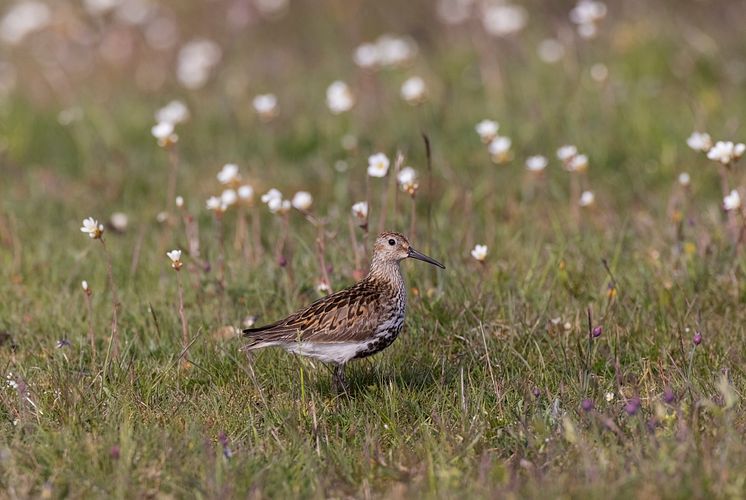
<point>85,286</point>
<point>213,203</point>
<point>164,133</point>
<point>609,397</point>
<point>246,193</point>
<point>407,175</point>
<point>302,200</point>
<point>278,205</point>
<point>22,19</point>
<point>588,30</point>
<point>504,19</point>
<point>228,198</point>
<point>339,97</point>
<point>378,165</point>
<point>499,149</point>
<point>175,256</point>
<point>599,72</point>
<point>323,287</point>
<point>732,201</point>
<point>265,105</point>
<point>93,228</point>
<point>229,174</point>
<point>174,112</point>
<point>699,141</point>
<point>479,252</point>
<point>179,201</point>
<point>588,12</point>
<point>536,163</point>
<point>271,195</point>
<point>366,55</point>
<point>119,221</point>
<point>360,210</point>
<point>413,90</point>
<point>394,51</point>
<point>487,130</point>
<point>453,11</point>
<point>587,199</point>
<point>195,62</point>
<point>578,163</point>
<point>726,152</point>
<point>684,179</point>
<point>567,152</point>
<point>550,51</point>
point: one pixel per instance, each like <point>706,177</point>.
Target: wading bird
<point>353,323</point>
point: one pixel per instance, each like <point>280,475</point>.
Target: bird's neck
<point>387,272</point>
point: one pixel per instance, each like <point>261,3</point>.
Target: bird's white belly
<point>328,352</point>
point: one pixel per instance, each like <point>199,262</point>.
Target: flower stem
<point>114,340</point>
<point>91,335</point>
<point>184,325</point>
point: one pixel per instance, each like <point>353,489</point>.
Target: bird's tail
<point>257,337</point>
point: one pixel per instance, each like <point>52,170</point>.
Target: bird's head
<point>394,247</point>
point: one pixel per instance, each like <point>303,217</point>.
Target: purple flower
<point>282,261</point>
<point>597,331</point>
<point>587,405</point>
<point>632,406</point>
<point>114,452</point>
<point>697,338</point>
<point>536,392</point>
<point>668,395</point>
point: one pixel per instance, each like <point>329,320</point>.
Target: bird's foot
<point>339,384</point>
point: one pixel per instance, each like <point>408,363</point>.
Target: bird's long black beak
<point>421,256</point>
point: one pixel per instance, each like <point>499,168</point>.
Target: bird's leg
<point>338,379</point>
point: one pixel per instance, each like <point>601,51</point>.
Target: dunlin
<point>353,323</point>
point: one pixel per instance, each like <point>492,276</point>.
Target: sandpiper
<point>353,323</point>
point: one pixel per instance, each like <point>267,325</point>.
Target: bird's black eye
<point>392,242</point>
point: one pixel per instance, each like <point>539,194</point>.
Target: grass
<point>483,394</point>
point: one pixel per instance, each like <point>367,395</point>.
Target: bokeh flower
<point>164,133</point>
<point>726,152</point>
<point>587,198</point>
<point>502,19</point>
<point>213,204</point>
<point>92,228</point>
<point>407,180</point>
<point>586,15</point>
<point>479,252</point>
<point>119,221</point>
<point>536,163</point>
<point>699,141</point>
<point>487,130</point>
<point>697,338</point>
<point>684,179</point>
<point>499,149</point>
<point>567,152</point>
<point>609,397</point>
<point>175,112</point>
<point>302,201</point>
<point>228,198</point>
<point>195,62</point>
<point>550,50</point>
<point>578,163</point>
<point>246,194</point>
<point>265,105</point>
<point>360,211</point>
<point>339,98</point>
<point>378,165</point>
<point>22,19</point>
<point>732,201</point>
<point>229,174</point>
<point>413,90</point>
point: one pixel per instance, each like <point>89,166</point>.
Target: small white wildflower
<point>85,286</point>
<point>119,221</point>
<point>246,193</point>
<point>265,105</point>
<point>179,201</point>
<point>175,256</point>
<point>609,397</point>
<point>228,198</point>
<point>394,50</point>
<point>726,152</point>
<point>271,195</point>
<point>360,210</point>
<point>578,163</point>
<point>699,141</point>
<point>213,203</point>
<point>567,152</point>
<point>229,174</point>
<point>407,180</point>
<point>684,179</point>
<point>413,90</point>
<point>366,55</point>
<point>22,19</point>
<point>587,12</point>
<point>499,149</point>
<point>278,206</point>
<point>93,228</point>
<point>599,72</point>
<point>323,287</point>
<point>487,130</point>
<point>174,112</point>
<point>536,163</point>
<point>503,19</point>
<point>479,252</point>
<point>551,51</point>
<point>587,199</point>
<point>732,201</point>
<point>302,201</point>
<point>195,62</point>
<point>339,97</point>
<point>378,165</point>
<point>164,133</point>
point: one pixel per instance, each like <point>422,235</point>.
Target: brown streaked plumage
<point>353,323</point>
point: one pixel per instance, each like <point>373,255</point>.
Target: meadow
<point>586,340</point>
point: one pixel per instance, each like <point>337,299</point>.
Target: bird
<point>353,323</point>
